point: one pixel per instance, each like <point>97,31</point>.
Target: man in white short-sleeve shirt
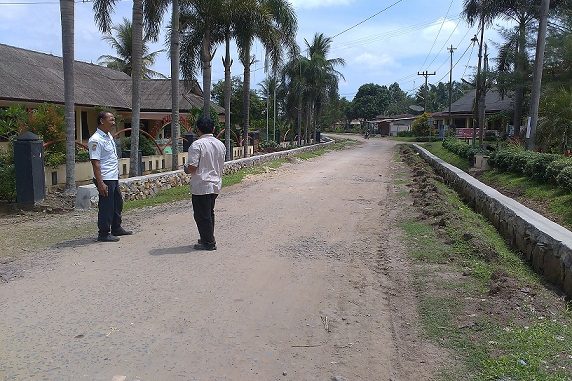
<point>205,165</point>
<point>105,164</point>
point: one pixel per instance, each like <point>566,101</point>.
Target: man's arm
<point>190,169</point>
<point>101,186</point>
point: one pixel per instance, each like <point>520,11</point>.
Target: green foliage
<point>7,175</point>
<point>257,103</point>
<point>536,167</point>
<point>564,178</point>
<point>555,167</point>
<point>47,121</point>
<point>54,159</point>
<point>145,145</point>
<point>405,133</point>
<point>555,122</point>
<point>82,155</point>
<point>464,149</point>
<point>421,126</point>
<point>13,121</point>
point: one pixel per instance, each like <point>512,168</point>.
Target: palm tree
<point>482,12</point>
<point>102,10</point>
<point>274,23</point>
<point>67,16</point>
<point>202,31</point>
<point>321,76</point>
<point>122,43</point>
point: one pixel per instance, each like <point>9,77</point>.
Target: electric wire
<point>369,18</point>
<point>438,33</point>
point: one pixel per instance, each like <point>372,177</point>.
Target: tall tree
<point>274,23</point>
<point>483,13</point>
<point>202,31</point>
<point>321,75</point>
<point>141,9</point>
<point>122,42</point>
<point>67,17</point>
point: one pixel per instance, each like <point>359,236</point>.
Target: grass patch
<point>437,149</point>
<point>542,196</point>
<point>509,334</point>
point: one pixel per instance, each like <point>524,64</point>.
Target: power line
<point>438,33</point>
<point>460,58</point>
<point>369,18</point>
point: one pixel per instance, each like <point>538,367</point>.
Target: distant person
<point>103,155</point>
<point>205,165</point>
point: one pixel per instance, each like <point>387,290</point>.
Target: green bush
<point>145,145</point>
<point>54,159</point>
<point>405,134</point>
<point>554,168</point>
<point>520,160</point>
<point>82,156</point>
<point>7,176</point>
<point>457,146</point>
<point>564,178</point>
<point>537,166</point>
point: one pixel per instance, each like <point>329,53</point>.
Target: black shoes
<point>202,246</point>
<point>107,238</point>
<point>121,231</point>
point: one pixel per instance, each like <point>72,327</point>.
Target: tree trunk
<point>67,16</point>
<point>519,91</point>
<point>537,78</point>
<point>175,57</point>
<point>300,122</point>
<point>479,89</point>
<point>246,99</point>
<point>227,92</point>
<point>206,58</point>
<point>137,52</point>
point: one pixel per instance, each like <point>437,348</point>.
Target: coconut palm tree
<point>122,43</point>
<point>321,76</point>
<point>202,31</point>
<point>142,10</point>
<point>274,23</point>
<point>67,16</point>
<point>483,13</point>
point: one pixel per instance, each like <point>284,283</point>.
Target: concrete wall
<point>543,243</point>
<point>136,188</point>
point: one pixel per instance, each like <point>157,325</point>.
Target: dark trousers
<point>110,207</point>
<point>203,212</point>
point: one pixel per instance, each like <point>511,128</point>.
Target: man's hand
<point>102,189</point>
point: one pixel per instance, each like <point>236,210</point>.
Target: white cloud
<point>442,28</point>
<point>373,60</point>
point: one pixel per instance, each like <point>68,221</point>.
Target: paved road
<point>293,292</point>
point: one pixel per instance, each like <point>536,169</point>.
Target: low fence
<point>543,243</point>
<point>136,188</point>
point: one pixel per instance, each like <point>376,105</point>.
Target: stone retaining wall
<point>137,188</point>
<point>543,243</point>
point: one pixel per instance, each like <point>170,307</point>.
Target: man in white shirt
<point>205,165</point>
<point>103,155</point>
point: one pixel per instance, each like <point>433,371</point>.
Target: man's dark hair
<point>205,125</point>
<point>101,116</point>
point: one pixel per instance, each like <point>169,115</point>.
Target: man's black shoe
<point>200,246</point>
<point>121,231</point>
<point>107,238</point>
<point>200,242</point>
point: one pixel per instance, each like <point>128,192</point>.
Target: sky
<point>402,38</point>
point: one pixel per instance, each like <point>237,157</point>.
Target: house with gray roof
<point>31,78</point>
<point>462,110</point>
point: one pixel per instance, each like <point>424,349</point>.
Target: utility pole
<point>426,74</point>
<point>451,50</point>
<point>537,78</point>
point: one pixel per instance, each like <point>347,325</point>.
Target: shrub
<point>145,145</point>
<point>54,158</point>
<point>82,156</point>
<point>537,166</point>
<point>519,161</point>
<point>564,178</point>
<point>554,168</point>
<point>405,134</point>
<point>7,176</point>
<point>457,146</point>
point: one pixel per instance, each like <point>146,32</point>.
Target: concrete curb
<point>546,245</point>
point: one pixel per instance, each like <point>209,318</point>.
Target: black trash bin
<point>318,136</point>
<point>29,165</point>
